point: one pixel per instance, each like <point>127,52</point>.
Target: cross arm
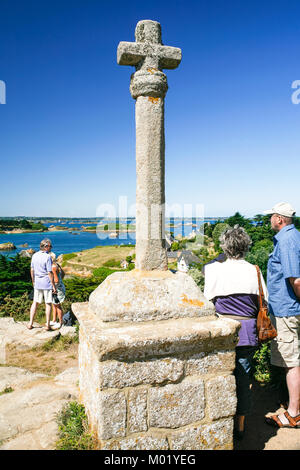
<point>170,57</point>
<point>129,53</point>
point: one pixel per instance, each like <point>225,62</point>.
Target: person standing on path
<point>60,295</point>
<point>232,286</point>
<point>283,281</point>
<point>43,281</point>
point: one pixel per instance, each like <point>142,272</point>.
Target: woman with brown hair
<point>60,295</point>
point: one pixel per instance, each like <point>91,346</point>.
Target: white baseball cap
<point>282,208</point>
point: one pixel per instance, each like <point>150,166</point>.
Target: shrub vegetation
<point>73,428</point>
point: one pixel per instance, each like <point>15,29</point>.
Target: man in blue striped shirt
<point>283,281</point>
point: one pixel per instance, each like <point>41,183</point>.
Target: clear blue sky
<point>67,130</point>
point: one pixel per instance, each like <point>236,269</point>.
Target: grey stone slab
<point>177,405</point>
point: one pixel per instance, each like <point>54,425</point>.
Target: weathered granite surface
<point>148,86</point>
<point>158,384</point>
<point>28,412</point>
<point>17,334</point>
<point>148,295</point>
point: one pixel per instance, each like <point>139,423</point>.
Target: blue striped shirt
<point>284,262</point>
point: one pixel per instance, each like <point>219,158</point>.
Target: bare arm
<point>295,283</point>
<point>55,270</point>
<point>51,277</point>
<point>32,275</point>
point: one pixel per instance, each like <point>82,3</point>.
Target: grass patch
<point>50,362</point>
<point>73,429</point>
<point>67,257</point>
<point>100,255</point>
<point>59,343</point>
<point>6,390</point>
<point>112,263</point>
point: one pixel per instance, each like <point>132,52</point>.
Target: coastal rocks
<point>8,246</point>
<point>27,253</point>
<point>28,411</point>
<point>56,228</point>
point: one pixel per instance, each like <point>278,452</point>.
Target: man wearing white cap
<point>283,281</point>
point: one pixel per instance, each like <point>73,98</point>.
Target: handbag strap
<point>261,292</point>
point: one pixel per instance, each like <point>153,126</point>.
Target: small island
<point>9,226</point>
<point>8,246</point>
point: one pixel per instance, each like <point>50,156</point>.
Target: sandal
<point>274,420</point>
<point>30,327</point>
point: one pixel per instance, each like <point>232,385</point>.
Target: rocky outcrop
<point>8,246</point>
<point>30,401</point>
<point>27,253</point>
<point>28,410</point>
<point>17,334</point>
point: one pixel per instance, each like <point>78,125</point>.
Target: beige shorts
<point>40,294</point>
<point>285,348</point>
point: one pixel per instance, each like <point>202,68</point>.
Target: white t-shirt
<point>232,277</point>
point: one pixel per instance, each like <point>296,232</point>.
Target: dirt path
<point>259,435</point>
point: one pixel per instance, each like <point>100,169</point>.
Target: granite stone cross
<point>149,86</point>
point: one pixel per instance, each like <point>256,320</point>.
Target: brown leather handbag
<point>265,329</point>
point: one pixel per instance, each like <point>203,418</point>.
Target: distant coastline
<point>17,231</point>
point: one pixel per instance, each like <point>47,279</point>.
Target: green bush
<point>217,232</point>
<point>15,276</point>
<point>238,219</point>
<point>73,428</point>
<point>10,224</point>
<point>19,308</point>
<point>79,289</point>
<point>179,245</point>
<point>260,257</point>
<point>67,257</point>
<point>100,274</point>
<point>175,246</point>
<point>198,277</point>
<point>262,364</point>
<point>112,263</point>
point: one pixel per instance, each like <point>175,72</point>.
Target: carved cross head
<point>148,52</point>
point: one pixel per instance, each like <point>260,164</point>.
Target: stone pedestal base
<point>138,296</point>
<point>158,385</point>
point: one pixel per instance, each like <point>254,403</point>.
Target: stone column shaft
<point>150,191</point>
<point>148,87</point>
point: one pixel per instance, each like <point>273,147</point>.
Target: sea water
<point>71,241</point>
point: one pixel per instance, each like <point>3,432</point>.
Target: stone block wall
<point>183,400</point>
